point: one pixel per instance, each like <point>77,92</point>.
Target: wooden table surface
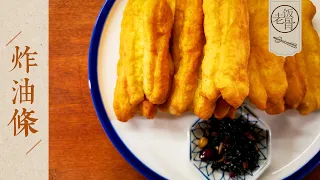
<point>79,148</point>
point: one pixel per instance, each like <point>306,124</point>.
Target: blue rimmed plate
<point>157,148</point>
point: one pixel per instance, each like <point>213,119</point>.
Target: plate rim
<point>106,123</point>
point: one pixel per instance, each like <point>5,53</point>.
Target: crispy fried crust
<point>222,108</point>
<point>147,109</point>
<point>132,44</point>
<point>158,21</point>
<point>226,53</point>
<point>123,109</point>
<point>121,104</point>
<point>232,78</point>
<point>311,56</point>
<point>129,92</point>
<point>212,28</point>
<point>268,81</point>
<point>297,82</point>
<point>203,107</point>
<point>187,47</point>
<point>232,113</point>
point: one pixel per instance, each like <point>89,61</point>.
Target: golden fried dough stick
<point>227,49</point>
<point>157,25</point>
<point>212,28</point>
<point>132,42</point>
<point>123,109</point>
<point>232,78</point>
<point>121,104</point>
<point>172,4</point>
<point>202,107</point>
<point>268,81</point>
<point>222,108</point>
<point>275,108</point>
<point>187,47</point>
<point>311,56</point>
<point>147,109</point>
<point>127,93</point>
<point>232,113</point>
<point>178,25</point>
<point>297,82</point>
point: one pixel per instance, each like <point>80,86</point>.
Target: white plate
<point>159,147</point>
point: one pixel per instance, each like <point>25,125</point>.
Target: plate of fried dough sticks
<point>158,66</point>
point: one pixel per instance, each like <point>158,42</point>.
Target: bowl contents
<point>230,145</point>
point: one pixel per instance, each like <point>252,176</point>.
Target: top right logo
<point>285,19</point>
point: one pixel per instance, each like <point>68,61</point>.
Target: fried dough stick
<point>227,49</point>
<point>126,106</point>
<point>123,109</point>
<point>146,47</point>
<point>297,82</point>
<point>212,28</point>
<point>121,104</point>
<point>202,107</point>
<point>132,42</point>
<point>147,109</point>
<point>232,113</point>
<point>205,108</point>
<point>222,108</point>
<point>310,55</point>
<point>157,26</point>
<point>187,47</point>
<point>268,81</point>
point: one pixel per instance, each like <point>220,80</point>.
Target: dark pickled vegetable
<point>231,146</point>
<point>208,154</point>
